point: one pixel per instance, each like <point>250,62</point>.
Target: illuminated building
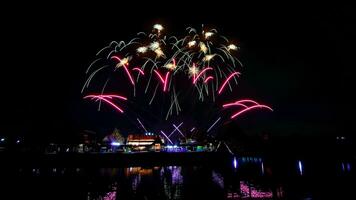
<point>142,142</point>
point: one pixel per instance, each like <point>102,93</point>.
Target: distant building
<point>144,142</point>
<point>141,140</point>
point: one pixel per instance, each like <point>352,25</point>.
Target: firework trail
<point>245,105</point>
<point>107,99</point>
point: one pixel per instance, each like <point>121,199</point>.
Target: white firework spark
<point>123,62</point>
<point>158,27</point>
<point>193,71</point>
<point>208,57</point>
<point>192,43</point>
<point>208,34</point>
<point>232,47</point>
<point>142,49</point>
<point>203,47</point>
<point>159,53</point>
<point>154,46</point>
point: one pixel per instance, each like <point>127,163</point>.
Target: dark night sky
<point>298,60</point>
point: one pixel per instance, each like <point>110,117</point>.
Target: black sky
<point>298,59</point>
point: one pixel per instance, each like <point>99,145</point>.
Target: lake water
<point>245,178</point>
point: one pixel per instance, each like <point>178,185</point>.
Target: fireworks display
<point>167,70</point>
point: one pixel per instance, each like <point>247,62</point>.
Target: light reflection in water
<point>300,167</point>
<point>235,162</point>
<point>218,179</point>
<point>136,180</point>
<point>251,191</point>
<point>169,182</point>
<point>172,181</point>
<point>110,196</point>
<point>348,167</point>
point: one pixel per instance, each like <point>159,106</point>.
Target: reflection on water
<point>110,196</point>
<point>246,177</point>
<point>300,167</point>
<point>218,179</point>
<point>172,181</point>
<point>345,166</point>
<point>248,190</point>
<point>177,182</point>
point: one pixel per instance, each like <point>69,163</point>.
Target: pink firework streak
<point>116,58</point>
<point>103,97</point>
<point>139,70</point>
<point>208,78</point>
<point>164,81</point>
<point>250,108</point>
<point>227,80</point>
<point>125,68</point>
<point>129,75</point>
<point>247,101</point>
<point>241,103</point>
<point>201,73</point>
<point>234,104</point>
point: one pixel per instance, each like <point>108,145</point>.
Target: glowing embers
<point>246,105</point>
<point>107,98</point>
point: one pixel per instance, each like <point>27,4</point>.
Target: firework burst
<point>165,64</point>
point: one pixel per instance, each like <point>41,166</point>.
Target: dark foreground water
<point>245,178</point>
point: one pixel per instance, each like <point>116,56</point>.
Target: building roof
<point>136,137</point>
